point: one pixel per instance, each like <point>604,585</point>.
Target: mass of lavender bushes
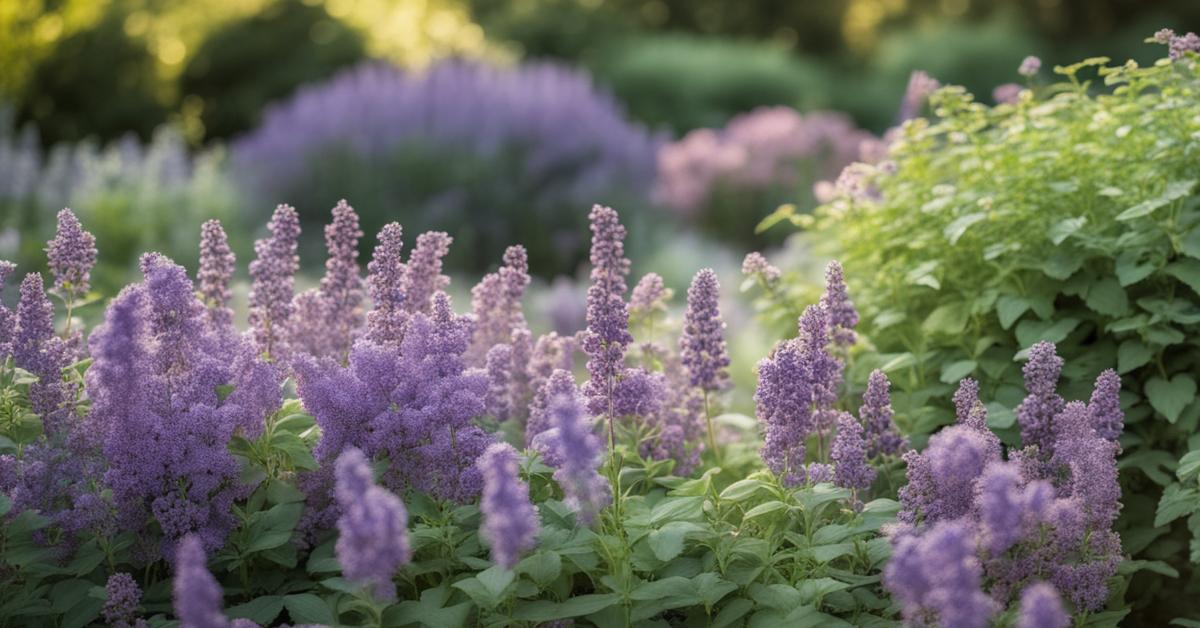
<point>363,454</point>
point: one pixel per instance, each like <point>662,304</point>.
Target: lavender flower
<point>1036,413</point>
<point>1105,406</point>
<point>1181,44</point>
<point>702,344</point>
<point>607,335</point>
<point>784,404</point>
<point>649,297</point>
<point>1007,94</point>
<point>38,350</point>
<point>876,413</point>
<point>1029,66</point>
<point>756,265</point>
<point>510,522</point>
<point>373,529</point>
<point>920,86</point>
<point>217,264</point>
<point>423,273</point>
<point>499,373</point>
<point>1006,509</point>
<point>328,321</point>
<point>273,273</point>
<point>941,480</point>
<point>198,596</point>
<point>385,280</point>
<point>965,399</point>
<point>559,383</point>
<point>71,254</point>
<point>850,456</point>
<point>121,600</point>
<point>496,303</point>
<point>1041,608</point>
<point>836,302</point>
<point>1091,460</point>
<point>936,578</point>
<point>8,318</point>
<point>579,453</point>
<point>817,472</point>
<point>823,369</point>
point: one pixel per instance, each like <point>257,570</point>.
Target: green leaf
<point>949,319</point>
<point>731,612</point>
<point>1064,228</point>
<point>1176,502</point>
<point>1009,308</point>
<point>1107,297</point>
<point>1169,398</point>
<point>667,542</point>
<point>275,527</point>
<point>677,508</point>
<point>742,489</point>
<point>307,608</point>
<point>543,567</point>
<point>1187,271</point>
<point>578,606</point>
<point>665,587</point>
<point>1175,190</point>
<point>1030,332</point>
<point>1129,270</point>
<point>1132,354</point>
<point>1189,466</point>
<point>956,229</point>
<point>261,610</point>
<point>1190,243</point>
<point>764,509</point>
<point>1062,264</point>
<point>496,579</point>
<point>955,371</point>
<point>1000,416</point>
<point>814,589</point>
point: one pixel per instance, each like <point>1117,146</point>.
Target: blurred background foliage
<point>91,79</point>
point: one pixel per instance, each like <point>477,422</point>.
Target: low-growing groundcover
<point>442,469</point>
<point>1071,215</point>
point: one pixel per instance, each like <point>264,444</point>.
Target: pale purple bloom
<point>876,414</point>
<point>198,596</point>
<point>273,275</point>
<point>838,306</point>
<point>941,479</point>
<point>937,578</point>
<point>1036,413</point>
<point>121,599</point>
<point>680,421</point>
<point>1029,66</point>
<point>920,87</point>
<point>1164,36</point>
<point>638,393</point>
<point>559,383</point>
<point>423,274</point>
<point>71,255</point>
<point>386,282</point>
<point>607,335</point>
<point>966,397</point>
<point>217,265</point>
<point>1091,460</point>
<point>499,367</point>
<point>1042,608</point>
<point>37,349</point>
<point>823,369</point>
<point>1007,509</point>
<point>784,404</point>
<point>1181,44</point>
<point>757,265</point>
<point>8,318</point>
<point>649,296</point>
<point>850,456</point>
<point>817,472</point>
<point>373,528</point>
<point>1007,94</point>
<point>496,303</point>
<point>702,343</point>
<point>510,522</point>
<point>326,323</point>
<point>579,455</point>
<point>1105,406</point>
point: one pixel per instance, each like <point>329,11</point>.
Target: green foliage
<point>686,82</point>
<point>246,64</point>
<point>1072,216</point>
<point>97,83</point>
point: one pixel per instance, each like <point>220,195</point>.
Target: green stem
<point>712,439</point>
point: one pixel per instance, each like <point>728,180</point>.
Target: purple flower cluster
<point>578,454</point>
<point>937,576</point>
<point>8,318</point>
<point>328,318</point>
<point>836,301</point>
<point>1029,66</point>
<point>755,265</point>
<point>373,528</point>
<point>764,149</point>
<point>849,455</point>
<point>217,265</point>
<point>920,87</point>
<point>702,344</point>
<point>71,254</point>
<point>37,349</point>
<point>510,522</point>
<point>1037,517</point>
<point>385,282</point>
<point>1178,44</point>
<point>876,414</point>
<point>274,279</point>
<point>649,296</point>
<point>158,412</point>
<point>423,274</point>
<point>121,599</point>
<point>197,595</point>
<point>496,303</point>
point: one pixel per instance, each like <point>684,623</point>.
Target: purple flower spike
<point>423,274</point>
<point>1042,608</point>
<point>496,303</point>
<point>579,453</point>
<point>756,265</point>
<point>38,350</point>
<point>836,301</point>
<point>499,373</point>
<point>273,275</point>
<point>1036,413</point>
<point>71,255</point>
<point>607,335</point>
<point>850,456</point>
<point>702,344</point>
<point>936,578</point>
<point>8,318</point>
<point>198,596</point>
<point>649,296</point>
<point>876,413</point>
<point>217,264</point>
<point>385,279</point>
<point>1029,66</point>
<point>373,529</point>
<point>510,522</point>
<point>783,403</point>
<point>122,596</point>
<point>1105,406</point>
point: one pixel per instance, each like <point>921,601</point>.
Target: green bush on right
<point>1070,215</point>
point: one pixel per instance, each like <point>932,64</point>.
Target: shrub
<point>246,64</point>
<point>505,154</point>
<point>727,180</point>
<point>685,83</point>
<point>1070,216</point>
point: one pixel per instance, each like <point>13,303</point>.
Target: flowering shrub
<point>160,471</point>
<point>1069,216</point>
<point>727,180</point>
<point>490,150</point>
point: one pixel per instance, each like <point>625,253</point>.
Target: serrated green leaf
<point>1176,502</point>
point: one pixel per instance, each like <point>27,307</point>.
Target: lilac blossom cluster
<point>510,521</point>
<point>766,149</point>
<point>798,389</point>
<point>1178,45</point>
<point>1036,529</point>
<point>372,529</point>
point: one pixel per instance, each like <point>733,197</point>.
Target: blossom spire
<point>273,275</point>
<point>373,528</point>
<point>217,264</point>
<point>510,522</point>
